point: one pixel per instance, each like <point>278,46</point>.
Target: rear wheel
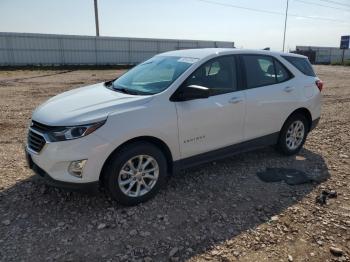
<point>293,134</point>
<point>135,173</point>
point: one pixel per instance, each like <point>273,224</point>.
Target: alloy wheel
<point>138,175</point>
<point>295,135</point>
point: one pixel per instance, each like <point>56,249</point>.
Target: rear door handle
<point>288,89</point>
<point>235,100</point>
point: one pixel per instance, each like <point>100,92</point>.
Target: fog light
<point>76,168</point>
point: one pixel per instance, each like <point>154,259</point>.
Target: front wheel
<point>293,135</point>
<point>135,173</point>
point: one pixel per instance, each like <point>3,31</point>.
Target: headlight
<point>73,132</point>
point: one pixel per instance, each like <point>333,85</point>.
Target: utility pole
<point>285,26</point>
<point>96,19</point>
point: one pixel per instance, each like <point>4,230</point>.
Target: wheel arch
<point>150,139</point>
<point>303,111</point>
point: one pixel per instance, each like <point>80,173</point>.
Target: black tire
<point>117,162</point>
<point>282,146</point>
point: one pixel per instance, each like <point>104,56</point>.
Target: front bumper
<point>91,187</point>
<point>54,158</point>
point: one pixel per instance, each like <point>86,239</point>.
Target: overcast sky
<point>312,22</point>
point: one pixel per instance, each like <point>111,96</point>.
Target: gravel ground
<point>220,211</point>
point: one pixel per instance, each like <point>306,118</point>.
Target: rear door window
<point>282,73</point>
<point>260,70</point>
<point>302,64</point>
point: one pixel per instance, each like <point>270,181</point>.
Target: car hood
<point>85,105</point>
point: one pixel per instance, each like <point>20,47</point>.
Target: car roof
<point>201,53</point>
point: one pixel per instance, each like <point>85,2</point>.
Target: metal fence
<point>18,49</point>
<point>325,55</point>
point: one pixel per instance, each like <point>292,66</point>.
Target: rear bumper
<point>91,187</point>
<point>314,123</point>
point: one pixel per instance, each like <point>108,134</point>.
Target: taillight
<point>319,84</point>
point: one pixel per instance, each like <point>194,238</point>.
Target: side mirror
<point>190,92</point>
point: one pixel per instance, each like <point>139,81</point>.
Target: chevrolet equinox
<point>175,110</point>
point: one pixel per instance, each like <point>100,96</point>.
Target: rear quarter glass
<point>302,64</point>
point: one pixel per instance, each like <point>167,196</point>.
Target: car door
<point>217,121</point>
<point>271,95</point>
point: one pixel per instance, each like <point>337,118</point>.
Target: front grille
<point>41,127</point>
<point>36,142</point>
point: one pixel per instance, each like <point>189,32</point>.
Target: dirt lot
<point>220,211</point>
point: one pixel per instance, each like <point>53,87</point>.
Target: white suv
<point>173,111</point>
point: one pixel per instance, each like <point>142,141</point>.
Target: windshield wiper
<point>110,85</point>
<point>110,82</point>
<point>126,91</point>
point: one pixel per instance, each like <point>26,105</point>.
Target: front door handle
<point>288,89</point>
<point>235,100</point>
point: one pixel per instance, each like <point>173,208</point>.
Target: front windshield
<point>153,76</point>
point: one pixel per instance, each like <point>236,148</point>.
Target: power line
<point>241,7</point>
<point>334,2</point>
<point>272,12</point>
<point>309,3</point>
